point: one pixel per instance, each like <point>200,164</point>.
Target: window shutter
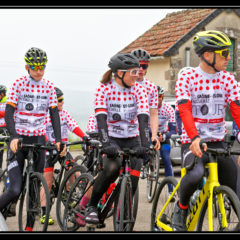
<point>231,63</point>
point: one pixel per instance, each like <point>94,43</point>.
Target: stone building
<point>169,42</point>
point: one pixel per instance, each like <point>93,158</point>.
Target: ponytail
<point>107,76</point>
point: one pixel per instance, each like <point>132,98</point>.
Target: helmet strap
<point>211,64</point>
<point>123,83</point>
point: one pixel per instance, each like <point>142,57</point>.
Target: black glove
<point>110,150</point>
<point>141,151</point>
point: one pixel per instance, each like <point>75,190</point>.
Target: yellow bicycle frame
<point>207,192</point>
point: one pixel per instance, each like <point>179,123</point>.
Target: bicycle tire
<point>160,198</point>
<point>36,181</point>
<point>123,210</point>
<point>234,207</point>
<point>73,200</point>
<point>79,157</point>
<point>152,176</point>
<point>62,192</point>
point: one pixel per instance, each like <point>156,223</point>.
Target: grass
<point>74,147</point>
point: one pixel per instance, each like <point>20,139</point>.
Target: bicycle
<point>30,198</point>
<point>125,206</point>
<point>152,168</point>
<point>66,163</point>
<point>212,194</point>
<point>61,185</point>
<point>94,164</point>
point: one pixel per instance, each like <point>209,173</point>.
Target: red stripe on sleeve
<point>185,110</point>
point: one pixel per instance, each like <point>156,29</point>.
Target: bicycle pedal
<point>12,210</point>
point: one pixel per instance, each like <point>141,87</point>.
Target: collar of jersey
<point>34,81</point>
<point>207,75</point>
<point>118,86</point>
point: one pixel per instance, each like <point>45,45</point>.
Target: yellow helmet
<point>210,40</point>
<point>35,56</point>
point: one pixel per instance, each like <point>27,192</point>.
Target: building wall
<point>156,72</point>
<point>164,71</point>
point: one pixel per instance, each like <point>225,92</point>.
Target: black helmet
<point>35,56</point>
<point>160,90</point>
<point>141,54</point>
<point>3,89</point>
<point>123,61</point>
<point>210,41</point>
<point>59,92</point>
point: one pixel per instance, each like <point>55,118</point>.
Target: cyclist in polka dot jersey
<point>3,99</point>
<point>166,127</point>
<point>67,124</point>
<point>29,100</point>
<point>152,92</point>
<point>202,96</point>
<point>122,113</point>
<point>92,123</point>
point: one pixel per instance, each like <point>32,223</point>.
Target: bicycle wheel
<point>232,209</point>
<point>161,197</point>
<point>72,209</point>
<point>79,159</point>
<point>152,175</point>
<point>123,208</point>
<point>30,204</point>
<point>64,189</point>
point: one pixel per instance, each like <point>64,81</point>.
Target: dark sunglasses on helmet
<point>144,66</point>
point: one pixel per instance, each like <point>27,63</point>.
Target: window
<point>230,66</point>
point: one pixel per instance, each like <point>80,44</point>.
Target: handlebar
<point>226,151</point>
<point>4,138</point>
<point>131,152</point>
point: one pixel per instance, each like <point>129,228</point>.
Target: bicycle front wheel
<point>123,209</point>
<point>64,189</point>
<point>30,204</point>
<point>72,208</point>
<point>161,197</point>
<point>228,218</point>
<point>152,175</point>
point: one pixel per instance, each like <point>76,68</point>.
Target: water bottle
<point>194,198</point>
<point>7,183</point>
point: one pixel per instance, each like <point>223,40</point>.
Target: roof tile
<point>166,32</point>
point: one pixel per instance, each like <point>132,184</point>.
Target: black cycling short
<point>49,166</point>
<point>111,168</point>
<point>228,172</point>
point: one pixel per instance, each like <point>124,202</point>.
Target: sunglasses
<point>144,66</point>
<point>133,72</point>
<point>35,68</point>
<point>60,100</point>
<point>225,53</point>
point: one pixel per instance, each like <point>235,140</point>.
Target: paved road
<point>142,222</point>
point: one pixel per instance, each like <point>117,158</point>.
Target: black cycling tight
<point>15,169</point>
<point>228,172</point>
<point>111,169</point>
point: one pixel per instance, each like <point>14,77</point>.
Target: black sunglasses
<point>144,66</point>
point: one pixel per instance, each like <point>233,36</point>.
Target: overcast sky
<point>78,42</point>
